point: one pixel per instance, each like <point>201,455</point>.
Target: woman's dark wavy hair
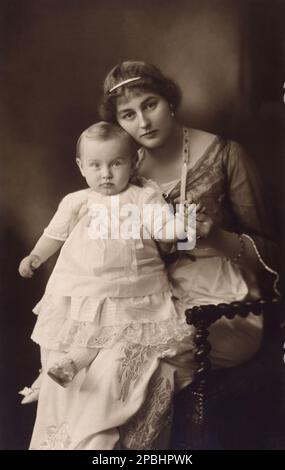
<point>152,80</point>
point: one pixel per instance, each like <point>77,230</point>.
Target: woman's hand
<point>204,223</point>
<point>28,265</point>
<point>175,198</point>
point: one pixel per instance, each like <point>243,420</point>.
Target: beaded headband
<point>124,83</point>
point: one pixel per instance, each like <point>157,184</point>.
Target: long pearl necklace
<point>185,162</point>
<point>186,245</point>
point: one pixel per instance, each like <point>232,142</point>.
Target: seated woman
<point>236,249</point>
<point>123,398</point>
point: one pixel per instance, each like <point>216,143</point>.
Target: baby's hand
<point>28,265</point>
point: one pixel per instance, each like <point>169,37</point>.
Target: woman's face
<point>146,116</point>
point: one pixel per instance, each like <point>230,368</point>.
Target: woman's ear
<point>171,107</point>
<point>79,164</point>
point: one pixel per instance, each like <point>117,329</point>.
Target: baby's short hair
<point>103,131</point>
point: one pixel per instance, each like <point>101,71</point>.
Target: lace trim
<point>167,333</point>
<point>57,438</point>
<point>142,431</point>
<point>266,267</point>
<point>134,365</point>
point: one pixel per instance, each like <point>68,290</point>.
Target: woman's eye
<point>128,116</point>
<point>151,105</point>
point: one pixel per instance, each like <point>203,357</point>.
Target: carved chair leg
<point>201,318</point>
<point>199,386</point>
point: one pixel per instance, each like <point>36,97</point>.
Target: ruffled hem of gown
<point>65,322</point>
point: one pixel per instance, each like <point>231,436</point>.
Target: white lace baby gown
<point>112,295</point>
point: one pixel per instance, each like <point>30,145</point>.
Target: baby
<point>109,283</point>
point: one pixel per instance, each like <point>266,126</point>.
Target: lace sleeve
<point>245,194</point>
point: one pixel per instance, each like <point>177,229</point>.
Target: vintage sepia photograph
<point>142,225</point>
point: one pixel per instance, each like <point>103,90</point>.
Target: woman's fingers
<point>204,225</point>
<point>176,199</point>
<point>200,208</point>
<point>202,217</point>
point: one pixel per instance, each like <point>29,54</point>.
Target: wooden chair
<point>220,408</point>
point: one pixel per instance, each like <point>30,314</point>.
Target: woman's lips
<point>149,133</point>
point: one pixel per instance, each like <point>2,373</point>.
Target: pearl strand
<point>185,161</point>
<point>266,267</point>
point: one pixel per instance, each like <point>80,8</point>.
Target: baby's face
<point>106,165</point>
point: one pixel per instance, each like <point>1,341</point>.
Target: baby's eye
<point>95,165</point>
<point>117,163</point>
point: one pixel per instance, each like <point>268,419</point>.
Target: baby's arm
<point>44,249</point>
<point>55,233</point>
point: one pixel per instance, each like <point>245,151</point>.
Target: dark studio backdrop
<point>227,55</point>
